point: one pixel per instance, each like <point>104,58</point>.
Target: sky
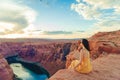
<point>58,19</point>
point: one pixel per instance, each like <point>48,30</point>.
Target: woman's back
<point>85,66</point>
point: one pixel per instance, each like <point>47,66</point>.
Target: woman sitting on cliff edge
<point>82,64</point>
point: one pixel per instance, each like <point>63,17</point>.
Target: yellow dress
<point>85,66</point>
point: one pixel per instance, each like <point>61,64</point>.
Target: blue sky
<point>58,18</point>
<point>58,15</point>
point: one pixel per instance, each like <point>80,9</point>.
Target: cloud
<point>56,32</point>
<point>88,12</point>
<point>81,31</point>
<point>15,17</point>
<point>96,9</point>
<point>104,4</point>
<point>35,30</point>
<point>78,0</point>
<point>108,25</point>
<point>105,13</point>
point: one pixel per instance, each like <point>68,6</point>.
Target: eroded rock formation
<point>52,55</point>
<point>6,72</point>
<point>101,44</point>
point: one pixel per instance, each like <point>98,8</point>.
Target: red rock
<point>6,72</point>
<point>51,55</point>
<point>102,70</point>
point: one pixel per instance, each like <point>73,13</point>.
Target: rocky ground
<point>106,67</point>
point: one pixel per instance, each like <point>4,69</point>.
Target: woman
<point>83,64</point>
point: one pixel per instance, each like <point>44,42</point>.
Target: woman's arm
<point>79,48</point>
<point>81,58</point>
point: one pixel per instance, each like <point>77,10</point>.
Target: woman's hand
<point>77,65</point>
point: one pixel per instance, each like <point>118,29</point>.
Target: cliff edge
<point>104,68</point>
<point>105,53</point>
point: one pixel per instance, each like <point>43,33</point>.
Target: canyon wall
<point>52,55</point>
<point>102,44</point>
<point>105,42</point>
<point>6,72</point>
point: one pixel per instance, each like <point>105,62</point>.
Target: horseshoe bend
<point>49,57</point>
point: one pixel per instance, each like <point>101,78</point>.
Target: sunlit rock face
<point>6,72</point>
<point>107,36</point>
<point>103,47</point>
<point>101,43</point>
<point>101,66</point>
<point>105,42</point>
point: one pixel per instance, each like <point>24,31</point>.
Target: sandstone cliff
<point>105,42</point>
<point>101,44</point>
<point>113,36</point>
<point>6,72</point>
<point>50,55</point>
<point>104,68</point>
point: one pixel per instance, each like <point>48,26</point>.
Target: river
<point>26,74</point>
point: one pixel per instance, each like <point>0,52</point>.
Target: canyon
<point>51,54</point>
